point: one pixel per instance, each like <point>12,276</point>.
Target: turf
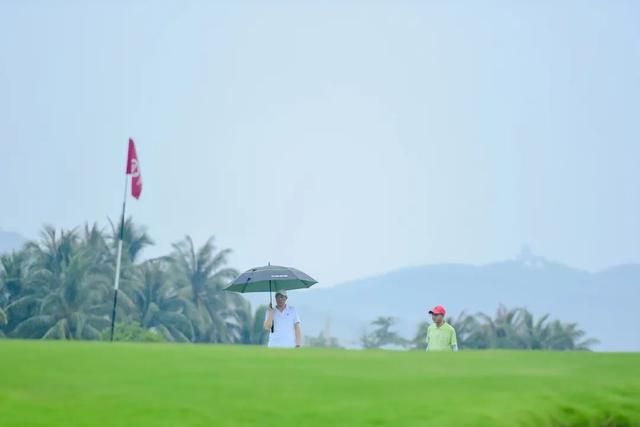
<point>100,384</point>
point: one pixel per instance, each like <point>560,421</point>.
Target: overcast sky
<point>343,138</point>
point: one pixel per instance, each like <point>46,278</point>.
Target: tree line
<point>515,328</point>
<point>61,287</point>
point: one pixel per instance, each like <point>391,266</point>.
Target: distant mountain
<point>10,241</point>
<point>604,304</point>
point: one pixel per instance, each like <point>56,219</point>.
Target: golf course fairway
<point>52,383</point>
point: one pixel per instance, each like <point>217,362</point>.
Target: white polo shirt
<point>284,335</point>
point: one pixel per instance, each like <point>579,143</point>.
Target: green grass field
<point>99,384</point>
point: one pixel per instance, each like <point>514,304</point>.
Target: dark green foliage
<point>511,329</point>
<point>132,332</point>
<point>61,287</point>
<point>382,334</point>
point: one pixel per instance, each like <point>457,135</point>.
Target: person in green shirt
<point>441,336</point>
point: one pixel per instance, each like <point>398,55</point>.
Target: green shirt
<point>441,338</point>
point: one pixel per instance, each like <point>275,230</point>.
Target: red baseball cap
<point>438,309</point>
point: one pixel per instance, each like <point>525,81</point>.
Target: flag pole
<point>119,257</point>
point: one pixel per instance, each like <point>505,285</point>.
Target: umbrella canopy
<point>271,278</point>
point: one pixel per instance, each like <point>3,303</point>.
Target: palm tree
<point>534,333</point>
<point>12,274</point>
<point>76,308</point>
<point>502,331</point>
<point>13,286</point>
<point>382,334</point>
<point>134,239</point>
<point>160,307</point>
<point>252,330</point>
<point>4,296</point>
<point>201,276</point>
<point>95,242</point>
<point>54,250</point>
<point>3,321</point>
<point>567,336</point>
<point>34,274</point>
<point>419,341</point>
<point>66,292</point>
<point>258,335</point>
<point>469,331</point>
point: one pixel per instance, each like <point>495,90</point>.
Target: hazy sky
<point>344,138</point>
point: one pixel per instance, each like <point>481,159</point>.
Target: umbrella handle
<point>271,305</point>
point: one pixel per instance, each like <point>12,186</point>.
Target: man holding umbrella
<point>285,322</point>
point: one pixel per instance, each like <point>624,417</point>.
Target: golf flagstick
<point>133,169</point>
<point>116,281</point>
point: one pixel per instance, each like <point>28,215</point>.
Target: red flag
<point>133,169</point>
